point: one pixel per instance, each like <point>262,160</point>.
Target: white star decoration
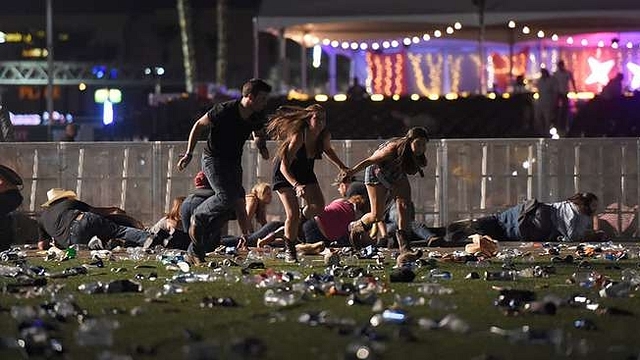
<point>599,71</point>
<point>635,70</point>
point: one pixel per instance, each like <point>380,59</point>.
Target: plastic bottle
<point>440,274</point>
<point>507,275</point>
<point>434,289</point>
<point>279,298</point>
<point>394,316</point>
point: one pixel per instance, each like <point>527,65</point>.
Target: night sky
<point>25,7</point>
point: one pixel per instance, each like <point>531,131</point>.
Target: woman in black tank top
<point>303,139</point>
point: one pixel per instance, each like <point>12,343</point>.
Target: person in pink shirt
<point>331,225</point>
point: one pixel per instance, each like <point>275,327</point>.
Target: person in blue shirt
<point>567,220</point>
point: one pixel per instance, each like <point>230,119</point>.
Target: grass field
<point>176,326</point>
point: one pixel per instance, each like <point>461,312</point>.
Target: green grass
<point>160,329</point>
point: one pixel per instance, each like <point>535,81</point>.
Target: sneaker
<point>95,244</point>
<point>290,256</point>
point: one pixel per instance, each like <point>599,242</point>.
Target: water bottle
<point>394,316</point>
<point>279,298</point>
<point>409,300</point>
<point>507,275</point>
<point>440,274</point>
<point>434,289</point>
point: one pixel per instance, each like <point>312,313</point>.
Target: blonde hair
<point>260,189</point>
<point>289,120</point>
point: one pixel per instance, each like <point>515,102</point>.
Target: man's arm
<point>194,135</point>
<point>260,139</point>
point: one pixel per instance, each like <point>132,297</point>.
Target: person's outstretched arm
<point>194,135</point>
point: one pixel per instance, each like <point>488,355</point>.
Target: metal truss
<point>74,73</point>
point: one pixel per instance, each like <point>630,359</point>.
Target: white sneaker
<point>95,244</point>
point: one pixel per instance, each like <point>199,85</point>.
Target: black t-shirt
<point>229,130</point>
<point>56,219</point>
<point>9,201</point>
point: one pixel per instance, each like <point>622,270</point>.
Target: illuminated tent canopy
<point>602,30</point>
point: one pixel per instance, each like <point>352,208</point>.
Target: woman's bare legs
<point>291,223</point>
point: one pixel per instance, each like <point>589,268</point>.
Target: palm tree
<point>189,62</point>
<point>221,58</point>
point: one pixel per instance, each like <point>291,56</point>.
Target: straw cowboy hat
<point>57,194</point>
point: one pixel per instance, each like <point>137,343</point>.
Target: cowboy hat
<point>57,194</point>
<point>10,175</point>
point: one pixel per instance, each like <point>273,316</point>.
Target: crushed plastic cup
<point>454,323</point>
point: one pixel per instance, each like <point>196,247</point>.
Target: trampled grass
<point>175,326</point>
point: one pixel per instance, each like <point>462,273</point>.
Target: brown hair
<point>359,201</point>
<point>410,164</point>
<point>583,201</point>
<point>289,120</point>
<point>254,86</point>
<point>174,212</point>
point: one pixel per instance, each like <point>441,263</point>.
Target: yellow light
<point>396,97</point>
<point>415,97</point>
<point>82,87</point>
<point>296,95</point>
<point>13,37</point>
<point>536,96</point>
<point>464,94</point>
<point>115,96</point>
<point>415,60</point>
<point>491,96</point>
<point>399,72</point>
<point>321,98</point>
<point>451,96</point>
<point>433,97</point>
<point>377,97</point>
<point>101,95</point>
<point>506,95</point>
<point>388,80</point>
<point>585,95</point>
<point>339,97</point>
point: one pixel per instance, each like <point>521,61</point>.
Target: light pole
<point>512,39</point>
<point>50,74</point>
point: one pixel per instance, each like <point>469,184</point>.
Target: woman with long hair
<point>169,229</point>
<point>303,139</point>
<point>386,175</point>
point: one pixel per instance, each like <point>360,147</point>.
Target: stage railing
<point>465,178</point>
